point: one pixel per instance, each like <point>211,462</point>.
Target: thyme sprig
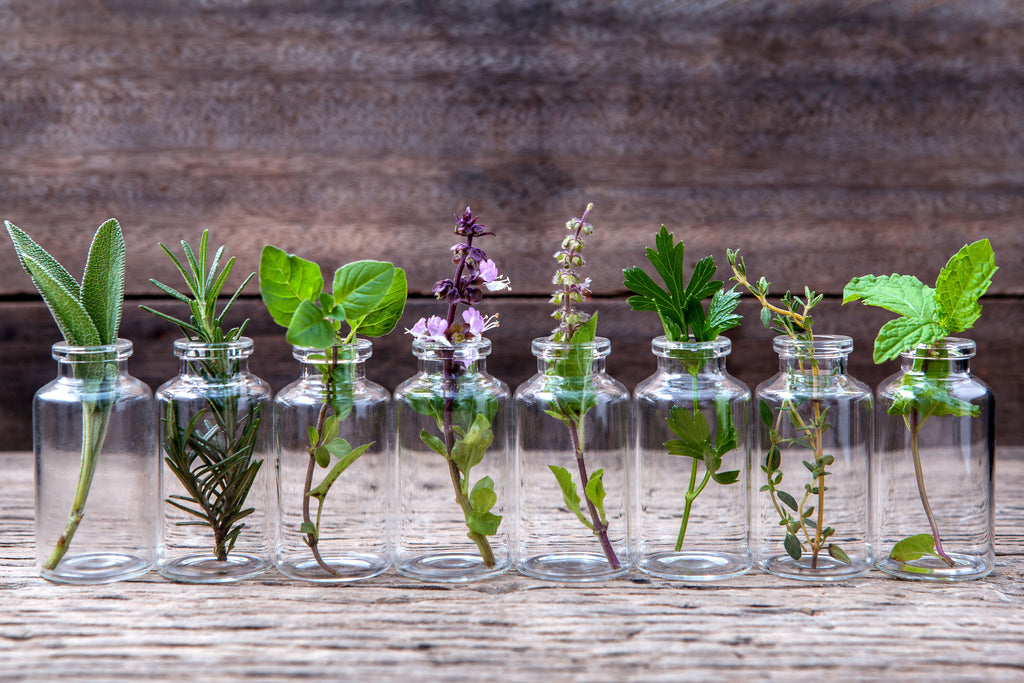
<point>213,455</point>
<point>792,318</point>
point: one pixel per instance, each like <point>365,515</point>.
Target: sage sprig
<point>804,523</point>
<point>926,316</point>
<point>368,297</point>
<point>213,453</point>
<point>680,306</point>
<point>88,315</point>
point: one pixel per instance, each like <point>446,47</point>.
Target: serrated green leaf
<point>433,443</point>
<point>792,546</point>
<point>789,500</point>
<point>388,312</point>
<point>103,280</point>
<point>361,285</point>
<point>595,493</point>
<point>965,279</point>
<point>309,327</point>
<point>285,281</point>
<point>902,294</point>
<point>346,456</point>
<point>913,548</point>
<point>469,450</point>
<point>59,290</point>
<point>690,427</point>
<point>902,334</point>
<point>838,553</point>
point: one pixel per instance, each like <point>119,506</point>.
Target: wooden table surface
<point>756,627</point>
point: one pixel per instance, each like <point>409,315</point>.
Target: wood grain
<point>511,628</point>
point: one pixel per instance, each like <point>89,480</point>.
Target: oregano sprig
<point>88,314</point>
<point>368,297</point>
<point>681,308</point>
<point>926,316</point>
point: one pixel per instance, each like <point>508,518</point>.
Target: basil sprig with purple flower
<point>369,297</point>
<point>926,316</point>
<point>463,415</point>
<point>570,384</point>
<point>680,307</point>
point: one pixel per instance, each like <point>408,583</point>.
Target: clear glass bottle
<point>931,486</point>
<point>692,512</point>
<point>809,483</point>
<point>215,438</point>
<point>333,450</point>
<point>572,474</point>
<point>97,472</point>
<point>454,512</point>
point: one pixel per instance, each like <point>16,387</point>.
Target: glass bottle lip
<point>70,353</point>
<point>309,354</point>
<point>951,348</point>
<point>663,348</point>
<point>823,346</point>
<point>191,350</point>
<point>546,349</point>
<point>470,350</point>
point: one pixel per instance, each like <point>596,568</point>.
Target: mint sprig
<point>926,314</point>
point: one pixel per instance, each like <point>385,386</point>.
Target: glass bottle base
<point>827,569</point>
<point>694,565</point>
<point>97,568</point>
<point>206,568</point>
<point>966,568</point>
<point>344,568</point>
<point>449,568</point>
<point>570,567</point>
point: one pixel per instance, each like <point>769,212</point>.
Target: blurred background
<point>824,139</point>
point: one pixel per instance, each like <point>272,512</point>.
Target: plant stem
<point>919,471</point>
<point>818,452</point>
<point>95,418</point>
<point>600,528</point>
<point>690,496</point>
<point>312,539</point>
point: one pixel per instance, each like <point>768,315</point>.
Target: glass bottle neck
<point>462,358</point>
<point>564,359</point>
<point>343,360</point>
<point>91,362</point>
<point>949,356</point>
<point>213,362</point>
<point>824,356</point>
<point>692,358</point>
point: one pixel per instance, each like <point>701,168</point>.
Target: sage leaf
<point>285,281</point>
<point>361,285</point>
<point>103,280</point>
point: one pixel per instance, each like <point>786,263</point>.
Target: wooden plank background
<point>825,139</point>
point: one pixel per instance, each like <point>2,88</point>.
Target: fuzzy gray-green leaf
<point>103,280</point>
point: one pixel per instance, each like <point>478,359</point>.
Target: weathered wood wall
<point>826,139</point>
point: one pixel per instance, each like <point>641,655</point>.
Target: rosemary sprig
<point>213,454</point>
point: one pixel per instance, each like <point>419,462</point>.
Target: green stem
<point>95,418</point>
<point>690,494</point>
<point>919,471</point>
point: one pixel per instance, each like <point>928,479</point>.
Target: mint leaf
<point>901,294</point>
<point>964,279</point>
<point>483,497</point>
<point>469,450</point>
<point>103,280</point>
<point>569,495</point>
<point>361,285</point>
<point>388,312</point>
<point>902,334</point>
<point>913,548</point>
<point>285,281</point>
<point>483,523</point>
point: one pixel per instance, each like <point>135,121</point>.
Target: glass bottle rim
<point>317,356</point>
<point>70,353</point>
<point>718,347</point>
<point>469,350</point>
<point>190,350</point>
<point>955,348</point>
<point>545,348</point>
<point>823,346</point>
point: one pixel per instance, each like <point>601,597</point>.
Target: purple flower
<point>489,274</point>
<point>430,329</point>
<point>476,323</point>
